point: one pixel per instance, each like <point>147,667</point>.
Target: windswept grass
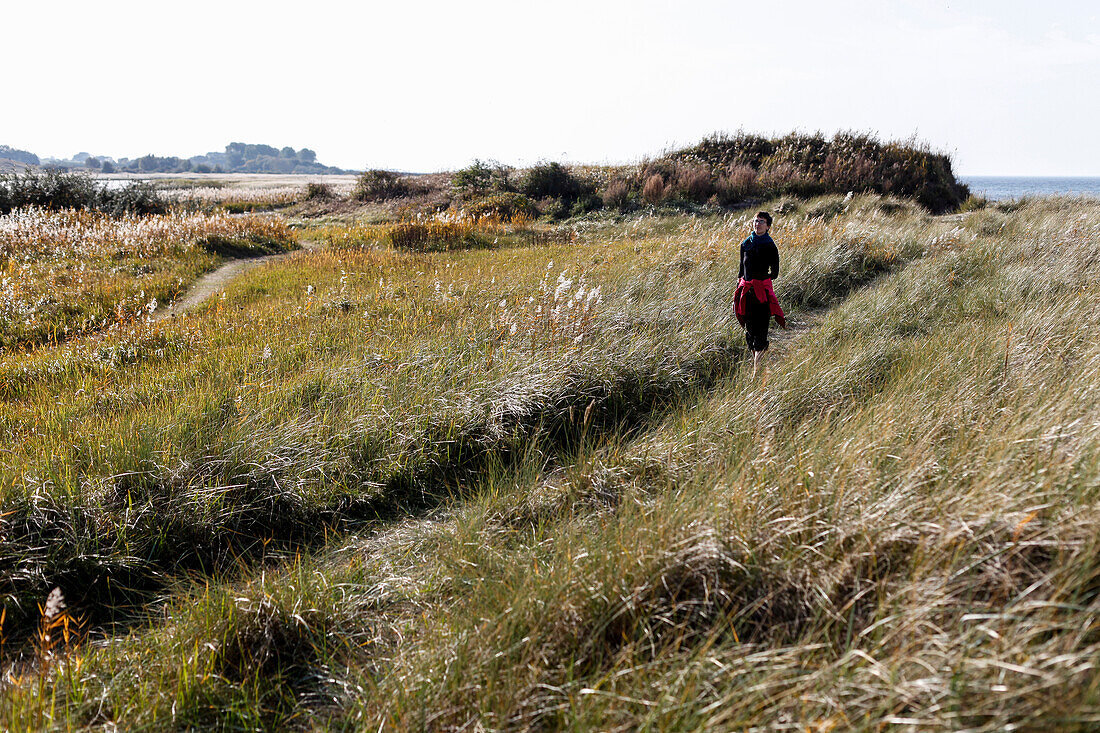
<point>508,526</point>
<point>897,526</point>
<point>353,384</point>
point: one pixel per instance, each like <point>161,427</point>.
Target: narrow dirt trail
<point>214,282</point>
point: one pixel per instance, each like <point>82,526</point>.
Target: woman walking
<point>754,300</point>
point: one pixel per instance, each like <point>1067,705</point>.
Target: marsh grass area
<point>530,484</point>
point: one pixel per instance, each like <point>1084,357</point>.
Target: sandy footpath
<point>215,282</point>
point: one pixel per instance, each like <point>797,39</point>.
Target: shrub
<point>507,207</point>
<point>742,178</point>
<point>654,190</point>
<point>721,150</point>
<point>556,209</point>
<point>666,169</point>
<point>694,183</point>
<point>318,191</point>
<point>553,180</point>
<point>826,208</point>
<point>855,172</point>
<point>502,177</point>
<point>473,180</point>
<point>50,189</point>
<point>737,184</point>
<point>617,194</point>
<point>586,203</point>
<point>57,189</point>
<point>379,185</point>
<point>137,198</point>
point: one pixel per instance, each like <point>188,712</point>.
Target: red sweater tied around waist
<point>763,291</point>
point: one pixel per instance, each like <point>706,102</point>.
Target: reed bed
<point>469,525</point>
<point>270,196</point>
<point>240,198</point>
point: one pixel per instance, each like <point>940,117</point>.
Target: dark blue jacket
<point>759,258</point>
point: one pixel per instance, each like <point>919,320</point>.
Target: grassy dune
<point>532,486</point>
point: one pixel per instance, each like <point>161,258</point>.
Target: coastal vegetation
<point>236,158</point>
<point>77,272</point>
<point>498,463</point>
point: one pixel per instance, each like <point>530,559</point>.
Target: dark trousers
<point>757,317</point>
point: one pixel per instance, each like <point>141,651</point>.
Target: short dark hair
<point>765,216</point>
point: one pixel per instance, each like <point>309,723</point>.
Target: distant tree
<point>19,156</point>
<point>93,163</point>
<point>108,167</point>
<point>307,156</point>
<point>202,168</point>
<point>249,151</point>
<point>288,152</point>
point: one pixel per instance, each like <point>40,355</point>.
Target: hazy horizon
<point>429,86</point>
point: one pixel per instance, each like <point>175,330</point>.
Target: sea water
<point>999,188</point>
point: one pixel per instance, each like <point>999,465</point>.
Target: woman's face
<point>760,226</point>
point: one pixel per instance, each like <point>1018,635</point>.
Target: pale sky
<point>1008,87</point>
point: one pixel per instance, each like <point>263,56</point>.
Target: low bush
<point>694,183</point>
<point>506,207</point>
<point>318,191</point>
<point>379,185</point>
<point>136,198</point>
<point>49,189</point>
<point>826,208</point>
<point>654,190</point>
<point>57,189</point>
<point>473,180</point>
<point>617,195</point>
<point>737,184</point>
<point>587,203</point>
<point>553,180</point>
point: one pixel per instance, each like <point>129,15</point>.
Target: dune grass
<point>453,489</point>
